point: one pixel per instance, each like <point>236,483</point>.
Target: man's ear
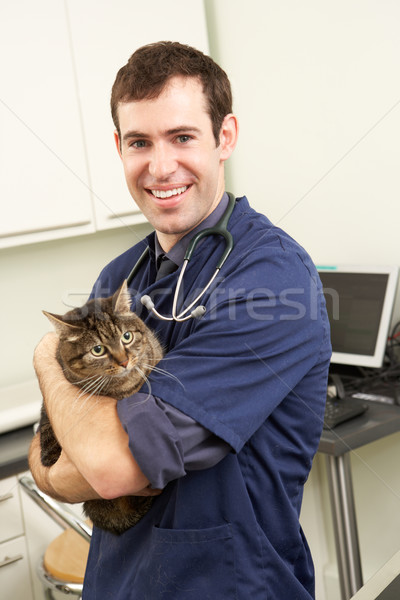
<point>117,142</point>
<point>228,135</point>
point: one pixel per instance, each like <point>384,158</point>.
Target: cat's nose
<point>124,363</point>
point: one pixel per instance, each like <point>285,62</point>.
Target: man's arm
<point>62,481</point>
<point>95,445</point>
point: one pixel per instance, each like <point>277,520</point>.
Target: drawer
<point>11,524</point>
<point>15,579</point>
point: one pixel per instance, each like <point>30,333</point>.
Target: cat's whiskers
<point>91,388</point>
<point>90,385</point>
<point>146,380</point>
<point>90,378</point>
<point>98,385</point>
<point>90,382</point>
<point>95,391</point>
<point>102,384</point>
<point>163,372</point>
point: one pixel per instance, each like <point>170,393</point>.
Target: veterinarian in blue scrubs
<point>228,431</point>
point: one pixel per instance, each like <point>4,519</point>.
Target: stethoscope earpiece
<point>147,302</point>
<point>198,312</point>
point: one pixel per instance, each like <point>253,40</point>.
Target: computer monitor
<point>359,302</point>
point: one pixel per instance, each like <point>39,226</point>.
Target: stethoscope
<point>220,228</point>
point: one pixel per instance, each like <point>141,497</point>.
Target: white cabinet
<point>25,532</point>
<point>44,185</point>
<point>10,510</point>
<point>40,531</point>
<point>116,30</point>
<point>60,174</point>
<point>15,580</point>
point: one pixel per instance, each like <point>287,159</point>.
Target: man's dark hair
<point>151,67</point>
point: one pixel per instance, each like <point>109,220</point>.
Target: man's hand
<point>45,350</point>
<point>148,491</point>
<point>62,481</point>
<point>45,357</point>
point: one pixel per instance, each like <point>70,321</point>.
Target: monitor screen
<point>359,302</point>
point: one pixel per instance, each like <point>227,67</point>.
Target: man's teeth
<point>169,193</point>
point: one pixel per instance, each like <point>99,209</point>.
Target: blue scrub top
<point>253,371</point>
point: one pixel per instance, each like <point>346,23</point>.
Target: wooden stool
<point>63,567</point>
<point>66,556</point>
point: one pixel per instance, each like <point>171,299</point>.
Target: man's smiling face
<point>173,168</point>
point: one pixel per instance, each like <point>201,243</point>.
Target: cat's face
<point>106,345</point>
<point>103,342</point>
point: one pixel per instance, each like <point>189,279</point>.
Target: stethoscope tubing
<point>221,228</point>
<point>181,317</point>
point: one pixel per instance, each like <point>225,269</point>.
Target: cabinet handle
<point>6,497</point>
<point>125,213</point>
<point>8,560</point>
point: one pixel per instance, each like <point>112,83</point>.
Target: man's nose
<point>162,162</point>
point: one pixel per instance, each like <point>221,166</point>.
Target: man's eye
<point>139,144</point>
<point>182,139</point>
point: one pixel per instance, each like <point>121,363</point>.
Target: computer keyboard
<point>339,410</point>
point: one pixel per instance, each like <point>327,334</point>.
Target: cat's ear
<point>61,326</point>
<point>122,300</point>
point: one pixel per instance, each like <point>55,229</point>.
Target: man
<point>227,437</point>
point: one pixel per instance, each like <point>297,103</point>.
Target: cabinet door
<point>43,173</point>
<point>40,530</point>
<point>11,525</point>
<point>15,581</point>
<point>104,36</point>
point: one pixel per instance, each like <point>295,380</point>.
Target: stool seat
<point>66,556</point>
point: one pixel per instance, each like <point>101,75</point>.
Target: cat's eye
<point>98,350</point>
<point>127,337</point>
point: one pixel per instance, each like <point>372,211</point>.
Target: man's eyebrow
<point>133,134</point>
<point>183,129</point>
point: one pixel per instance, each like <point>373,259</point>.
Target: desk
<point>385,584</point>
<point>379,421</point>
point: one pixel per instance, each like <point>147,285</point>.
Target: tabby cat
<point>104,349</point>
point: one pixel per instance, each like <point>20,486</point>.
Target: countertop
<point>14,446</point>
<point>19,410</point>
<point>377,422</point>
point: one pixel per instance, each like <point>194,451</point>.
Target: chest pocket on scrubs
<point>187,564</point>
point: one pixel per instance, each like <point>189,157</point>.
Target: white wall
<point>317,93</point>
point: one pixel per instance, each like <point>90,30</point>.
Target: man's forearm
<point>88,429</point>
<point>62,481</point>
